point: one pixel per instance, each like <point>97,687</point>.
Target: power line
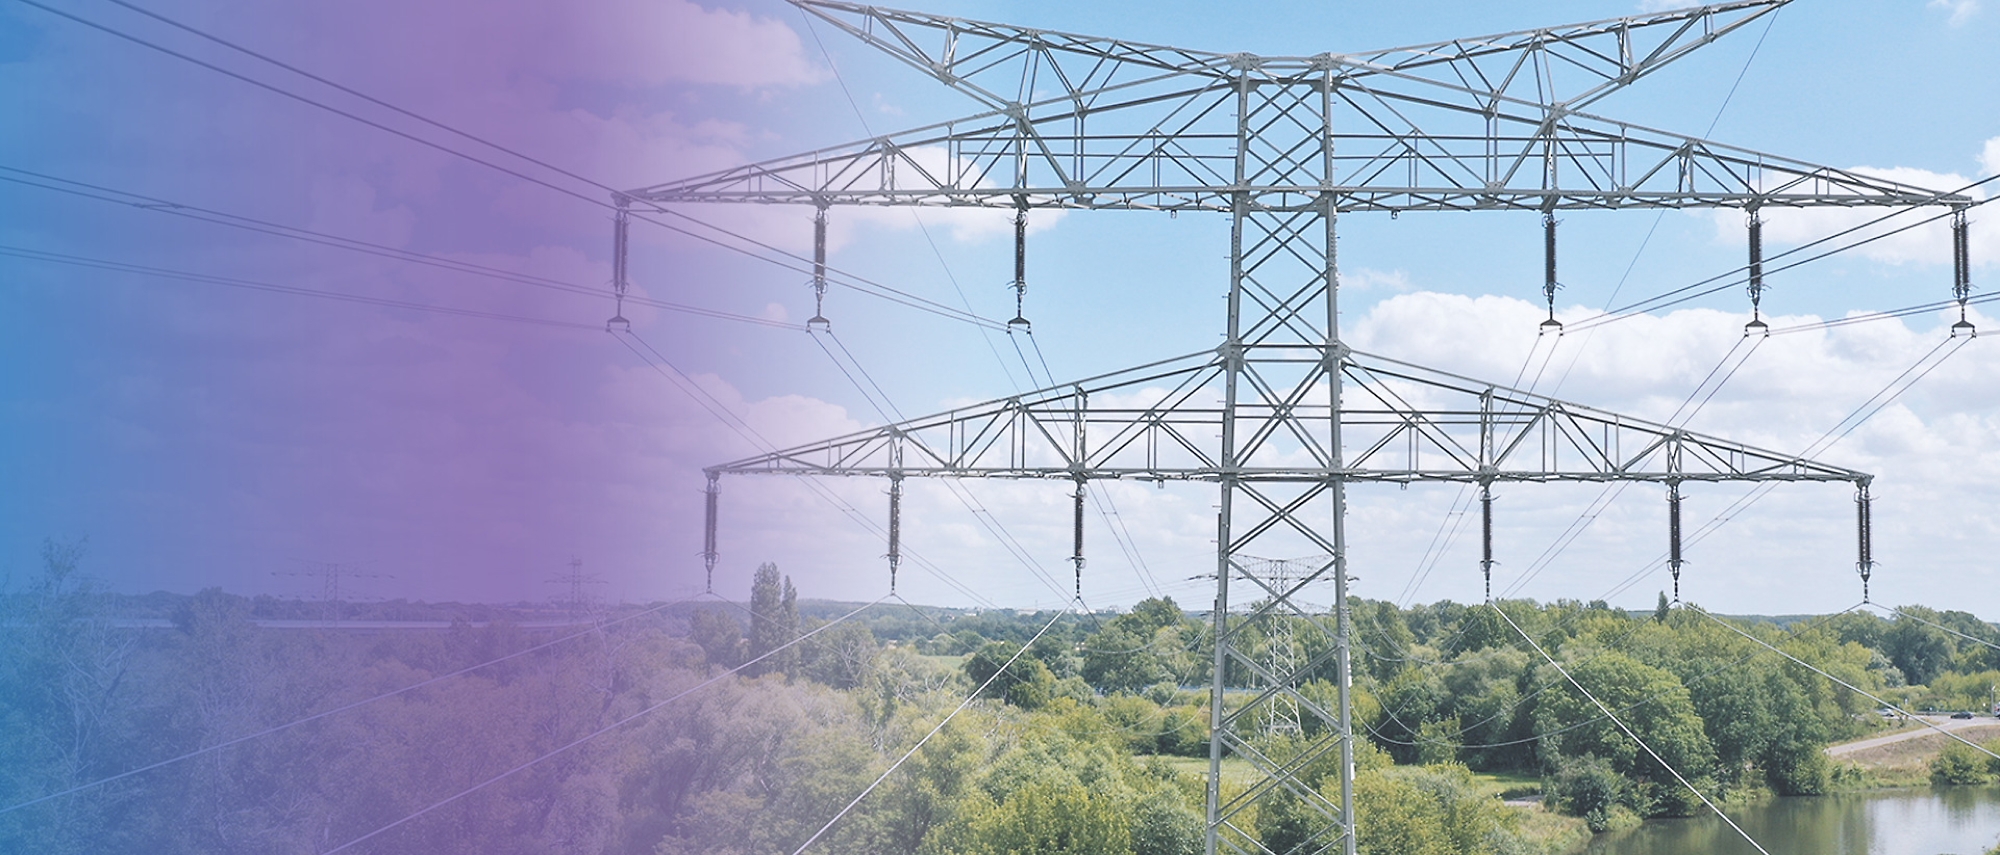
<point>1612,491</point>
<point>596,733</point>
<point>595,628</point>
<point>1455,517</point>
<point>1849,686</point>
<point>1903,614</point>
<point>742,428</point>
<point>208,215</point>
<point>927,737</point>
<point>958,490</point>
<point>1661,301</point>
<point>861,284</point>
<point>1634,736</point>
<point>254,285</point>
<point>1419,739</point>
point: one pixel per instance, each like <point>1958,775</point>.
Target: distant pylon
<point>578,601</point>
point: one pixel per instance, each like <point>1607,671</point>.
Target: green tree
<point>774,621</point>
<point>719,635</point>
<point>1164,824</point>
<point>1960,764</point>
<point>1285,824</point>
<point>841,656</point>
<point>1585,786</point>
<point>1921,652</point>
<point>1651,701</point>
<point>1048,817</point>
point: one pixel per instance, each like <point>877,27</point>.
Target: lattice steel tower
<point>1283,415</point>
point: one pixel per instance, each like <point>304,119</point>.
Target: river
<point>1957,820</point>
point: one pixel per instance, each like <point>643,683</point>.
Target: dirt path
<point>1890,747</point>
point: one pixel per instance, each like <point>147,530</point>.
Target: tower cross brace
<point>1283,415</point>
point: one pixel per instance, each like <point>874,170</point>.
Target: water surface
<point>1955,820</point>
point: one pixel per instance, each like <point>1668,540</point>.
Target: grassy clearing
<point>1510,785</point>
<point>1906,763</point>
<point>1236,771</point>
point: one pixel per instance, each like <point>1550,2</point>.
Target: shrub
<point>1960,764</point>
<point>1587,787</point>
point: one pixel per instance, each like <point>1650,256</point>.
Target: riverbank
<point>1902,759</point>
<point>1904,821</point>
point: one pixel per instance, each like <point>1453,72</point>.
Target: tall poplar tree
<point>774,620</point>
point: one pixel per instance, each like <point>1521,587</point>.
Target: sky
<point>207,381</point>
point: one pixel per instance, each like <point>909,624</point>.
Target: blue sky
<point>204,434</point>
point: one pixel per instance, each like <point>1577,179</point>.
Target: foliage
<point>774,622</point>
<point>1959,764</point>
<point>1963,764</point>
<point>1058,756</point>
<point>1435,810</point>
<point>1588,787</point>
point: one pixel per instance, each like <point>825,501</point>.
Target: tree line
<point>1093,740</point>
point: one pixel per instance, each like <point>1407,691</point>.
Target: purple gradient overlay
<point>206,434</point>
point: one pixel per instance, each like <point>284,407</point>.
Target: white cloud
<point>1894,240</point>
<point>679,41</point>
<point>1935,449</point>
<point>1961,10</point>
<point>1368,279</point>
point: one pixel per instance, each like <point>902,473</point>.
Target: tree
<point>774,621</point>
<point>63,690</point>
<point>1163,824</point>
<point>1047,817</point>
<point>841,656</point>
<point>1651,701</point>
<point>720,637</point>
<point>1027,683</point>
<point>1921,652</point>
<point>1585,786</point>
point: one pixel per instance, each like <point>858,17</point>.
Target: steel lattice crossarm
<point>1401,423</point>
<point>997,63</point>
<point>1466,124</point>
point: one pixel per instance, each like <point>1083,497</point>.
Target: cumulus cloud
<point>1896,239</point>
<point>682,41</point>
<point>1935,449</point>
<point>1369,279</point>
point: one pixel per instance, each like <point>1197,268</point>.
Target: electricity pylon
<point>1284,415</point>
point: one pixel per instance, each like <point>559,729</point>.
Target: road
<point>1941,721</point>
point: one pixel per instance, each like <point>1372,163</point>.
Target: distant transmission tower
<point>1284,414</point>
<point>577,583</point>
<point>1281,659</point>
<point>330,573</point>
